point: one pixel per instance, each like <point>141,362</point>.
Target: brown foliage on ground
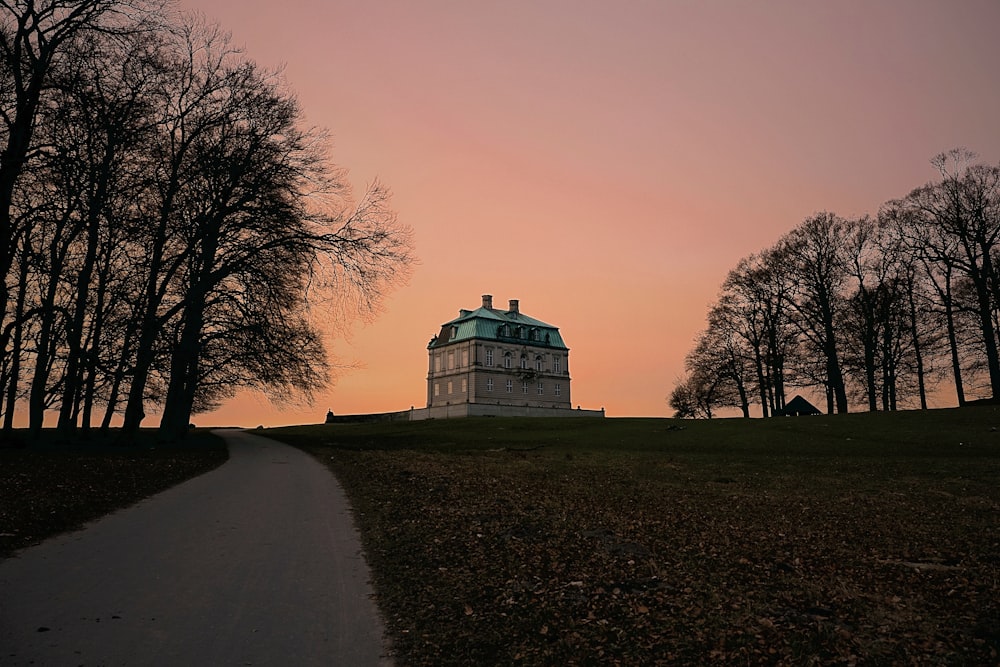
<point>551,556</point>
<point>50,489</point>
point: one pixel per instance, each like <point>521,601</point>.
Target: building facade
<point>492,357</point>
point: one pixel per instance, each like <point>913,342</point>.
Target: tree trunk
<point>74,372</point>
<point>744,402</point>
<point>870,371</point>
<point>43,363</point>
<point>184,376</point>
<point>761,382</point>
<point>134,408</point>
<point>90,366</point>
<point>918,355</point>
<point>985,312</point>
<point>15,351</point>
<point>834,374</point>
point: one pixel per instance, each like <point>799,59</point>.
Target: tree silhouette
<point>171,224</point>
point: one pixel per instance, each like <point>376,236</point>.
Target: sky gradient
<point>608,163</point>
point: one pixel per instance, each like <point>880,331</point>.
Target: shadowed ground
<point>256,562</point>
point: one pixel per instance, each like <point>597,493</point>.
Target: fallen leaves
<point>619,560</point>
<point>48,491</point>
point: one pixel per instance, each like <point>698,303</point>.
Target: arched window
<point>524,362</point>
<point>538,362</point>
<point>506,359</point>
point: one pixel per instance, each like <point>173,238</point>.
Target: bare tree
<point>814,251</point>
<point>754,305</point>
<point>259,206</point>
<point>956,224</point>
<point>32,35</point>
<point>879,325</point>
<point>177,228</point>
<point>720,365</point>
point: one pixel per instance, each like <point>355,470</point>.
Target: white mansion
<point>498,362</point>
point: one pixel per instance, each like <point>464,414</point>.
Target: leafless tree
<point>955,223</point>
<point>33,36</point>
<point>754,305</point>
<point>719,368</point>
<point>815,254</point>
<point>179,228</point>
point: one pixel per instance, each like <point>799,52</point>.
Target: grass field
<point>854,539</point>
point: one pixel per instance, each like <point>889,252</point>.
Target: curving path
<point>254,563</point>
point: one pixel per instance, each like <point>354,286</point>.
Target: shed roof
<point>800,406</point>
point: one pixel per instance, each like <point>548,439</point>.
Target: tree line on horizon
<point>171,232</point>
<point>876,310</point>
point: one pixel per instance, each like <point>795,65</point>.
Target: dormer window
<point>454,332</point>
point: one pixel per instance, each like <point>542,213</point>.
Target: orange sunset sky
<point>607,163</point>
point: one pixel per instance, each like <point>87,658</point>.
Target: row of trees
<point>875,310</point>
<point>166,220</point>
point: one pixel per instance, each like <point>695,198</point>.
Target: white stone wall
<point>461,373</point>
<point>486,410</point>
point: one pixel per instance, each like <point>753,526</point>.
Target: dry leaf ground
<point>51,488</point>
<point>859,539</point>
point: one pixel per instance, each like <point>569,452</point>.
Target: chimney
<point>488,301</point>
<point>513,306</point>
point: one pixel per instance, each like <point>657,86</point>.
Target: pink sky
<point>608,163</point>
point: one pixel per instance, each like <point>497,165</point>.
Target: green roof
<point>498,325</point>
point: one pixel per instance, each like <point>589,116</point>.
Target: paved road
<point>254,563</point>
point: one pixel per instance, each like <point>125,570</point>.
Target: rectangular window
<point>489,357</point>
<point>541,388</point>
<point>524,387</point>
<point>489,384</point>
<point>558,390</point>
<point>437,389</point>
<point>449,387</point>
<point>451,361</point>
<point>555,365</point>
<point>465,385</point>
<point>465,357</point>
<point>437,363</point>
<point>510,386</point>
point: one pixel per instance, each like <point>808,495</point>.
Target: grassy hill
<point>862,538</point>
<point>931,432</point>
